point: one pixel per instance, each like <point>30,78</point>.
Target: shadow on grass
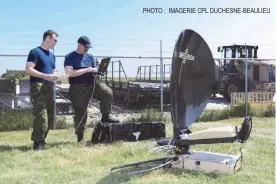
<point>75,144</point>
<point>58,144</point>
<point>179,172</point>
<point>4,148</point>
<point>50,145</point>
<point>124,173</point>
<point>121,177</point>
<point>115,178</point>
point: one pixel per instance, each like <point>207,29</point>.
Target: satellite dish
<point>192,79</point>
<point>191,84</point>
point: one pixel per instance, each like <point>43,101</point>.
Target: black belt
<point>43,83</point>
<point>81,84</point>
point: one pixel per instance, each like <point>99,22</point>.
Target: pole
<point>54,99</point>
<point>161,77</point>
<point>246,82</point>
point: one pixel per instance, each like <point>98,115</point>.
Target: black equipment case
<point>128,131</point>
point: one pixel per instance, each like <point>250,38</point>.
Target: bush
<point>62,123</point>
<point>15,119</point>
<point>22,119</point>
<point>235,111</point>
<point>214,115</point>
<point>268,111</point>
<point>239,110</point>
<point>149,115</point>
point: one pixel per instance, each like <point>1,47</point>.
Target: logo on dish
<point>185,56</point>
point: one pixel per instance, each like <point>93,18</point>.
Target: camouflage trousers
<point>43,110</point>
<point>80,96</point>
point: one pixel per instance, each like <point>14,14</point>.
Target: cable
<point>229,150</point>
<point>130,39</point>
<point>170,159</point>
<point>91,37</point>
<point>151,169</point>
<point>83,114</point>
<point>95,45</point>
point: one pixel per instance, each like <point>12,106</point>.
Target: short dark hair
<point>49,33</point>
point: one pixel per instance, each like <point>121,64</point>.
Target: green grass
<point>74,162</point>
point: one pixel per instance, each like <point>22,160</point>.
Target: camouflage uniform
<point>43,110</point>
<point>82,86</point>
<point>80,96</point>
<point>104,94</point>
<point>42,96</point>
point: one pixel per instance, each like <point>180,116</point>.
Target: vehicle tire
<point>231,88</point>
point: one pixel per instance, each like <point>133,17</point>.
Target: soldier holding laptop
<point>79,66</point>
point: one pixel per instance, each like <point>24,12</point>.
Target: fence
<point>136,82</point>
<point>258,97</point>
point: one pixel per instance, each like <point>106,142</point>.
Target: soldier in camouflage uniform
<point>40,66</point>
<point>79,66</point>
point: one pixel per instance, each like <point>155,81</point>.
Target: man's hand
<point>33,72</point>
<point>49,77</point>
<point>90,69</point>
<point>74,73</point>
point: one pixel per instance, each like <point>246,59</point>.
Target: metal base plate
<point>208,162</point>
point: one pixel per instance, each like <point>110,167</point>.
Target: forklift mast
<point>236,51</point>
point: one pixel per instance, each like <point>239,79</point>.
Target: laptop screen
<point>104,65</point>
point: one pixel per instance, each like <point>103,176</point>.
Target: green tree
<point>14,74</point>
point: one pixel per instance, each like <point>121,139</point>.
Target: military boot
<point>80,137</point>
<point>37,146</point>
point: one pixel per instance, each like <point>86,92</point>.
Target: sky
<point>120,28</point>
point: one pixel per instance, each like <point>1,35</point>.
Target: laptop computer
<point>104,65</point>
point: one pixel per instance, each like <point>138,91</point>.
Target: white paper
<point>59,77</point>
